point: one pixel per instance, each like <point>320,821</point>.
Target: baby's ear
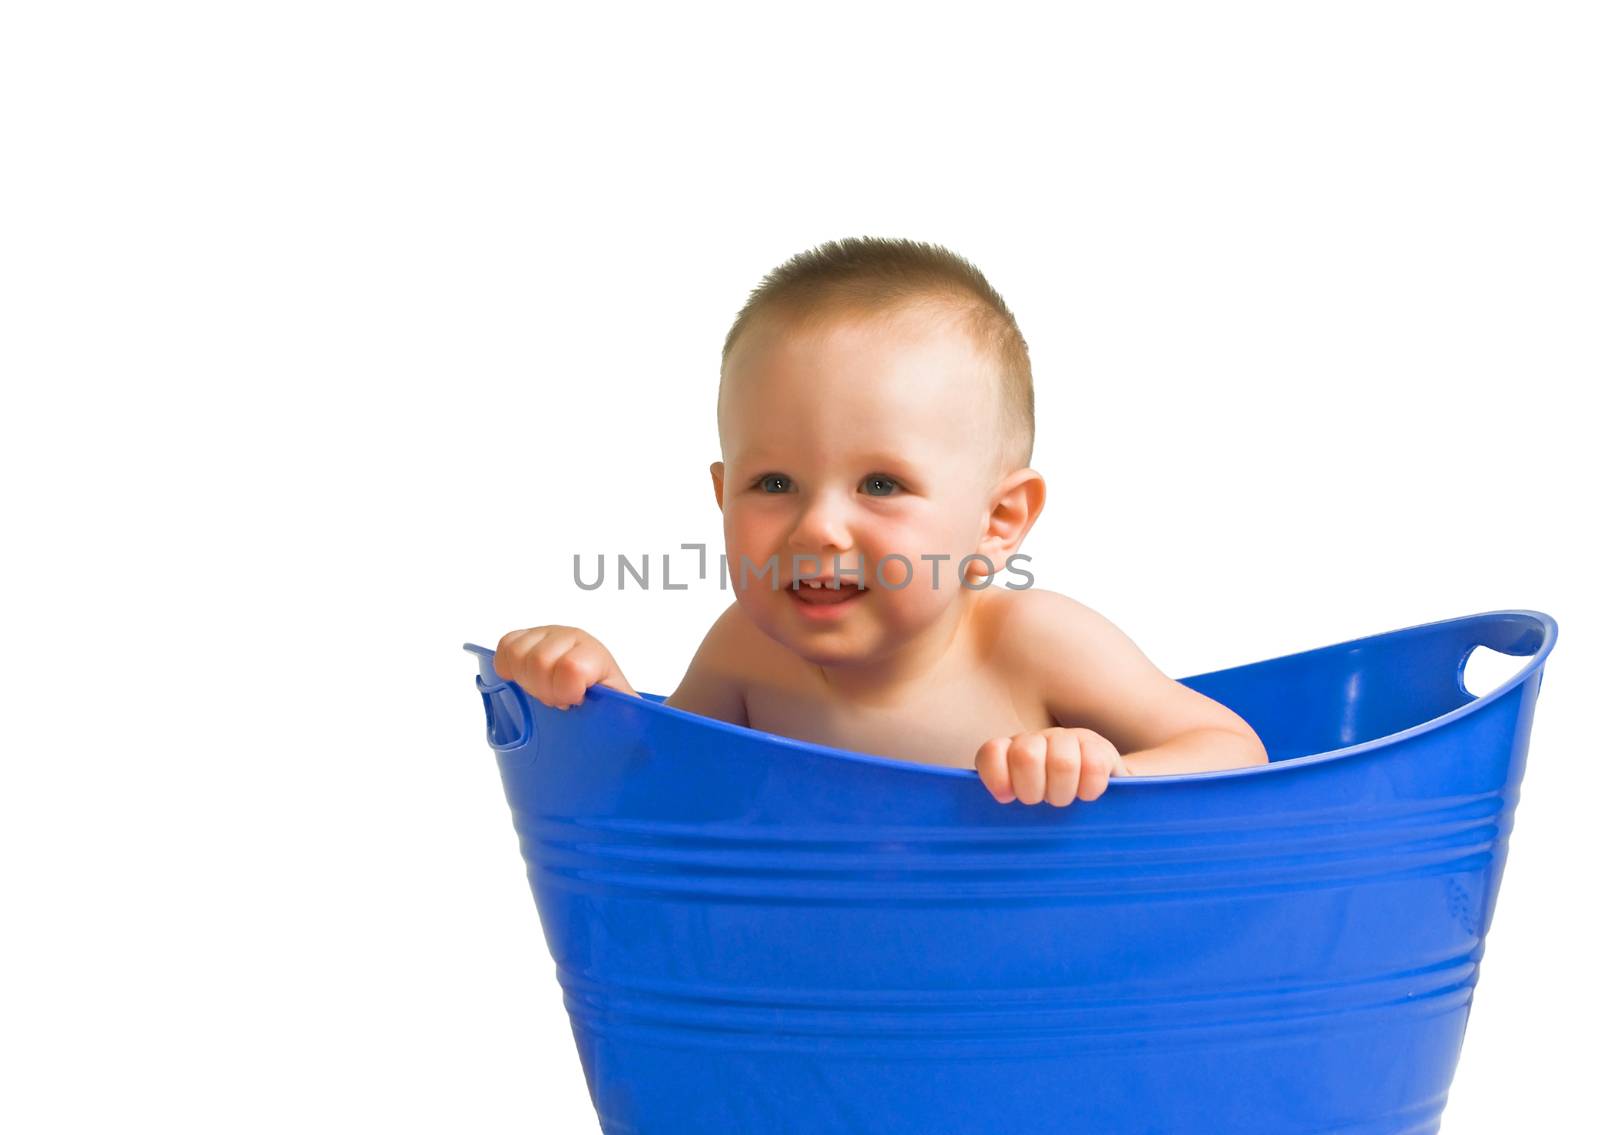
<point>1017,502</point>
<point>716,480</point>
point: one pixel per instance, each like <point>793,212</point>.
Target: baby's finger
<point>575,671</point>
<point>1026,761</point>
<point>537,673</point>
<point>993,771</point>
<point>528,658</point>
<point>513,648</point>
<point>1063,764</point>
<point>1100,760</point>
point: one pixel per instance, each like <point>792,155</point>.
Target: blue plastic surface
<point>759,936</point>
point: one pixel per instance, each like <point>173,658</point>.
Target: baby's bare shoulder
<point>714,684</point>
<point>1031,625</point>
<point>737,643</point>
<point>1048,642</point>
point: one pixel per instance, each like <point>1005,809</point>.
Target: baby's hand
<point>1055,764</point>
<point>557,664</point>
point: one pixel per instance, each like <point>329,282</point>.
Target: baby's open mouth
<point>824,593</point>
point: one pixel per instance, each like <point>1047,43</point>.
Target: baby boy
<point>876,420</point>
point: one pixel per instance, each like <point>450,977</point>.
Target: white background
<point>331,331</point>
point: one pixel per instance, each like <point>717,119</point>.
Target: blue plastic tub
<point>759,936</point>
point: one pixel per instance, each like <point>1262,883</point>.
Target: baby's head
<point>876,405</point>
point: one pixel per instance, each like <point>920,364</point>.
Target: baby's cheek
<point>896,551</point>
<point>893,573</point>
<point>909,594</point>
<point>749,539</point>
<point>928,561</point>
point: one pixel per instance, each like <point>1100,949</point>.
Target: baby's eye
<point>878,485</point>
<point>773,483</point>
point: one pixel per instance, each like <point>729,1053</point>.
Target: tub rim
<point>655,703</point>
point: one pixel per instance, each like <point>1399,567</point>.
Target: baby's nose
<point>822,526</point>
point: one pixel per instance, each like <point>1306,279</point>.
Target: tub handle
<point>508,715</point>
<point>1517,633</point>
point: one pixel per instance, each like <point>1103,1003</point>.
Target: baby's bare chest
<point>943,725</point>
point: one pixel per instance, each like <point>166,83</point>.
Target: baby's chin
<point>841,649</point>
<point>820,645</point>
<point>835,655</point>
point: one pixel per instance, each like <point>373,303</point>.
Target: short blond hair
<point>875,274</point>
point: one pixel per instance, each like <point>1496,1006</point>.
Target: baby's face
<point>870,437</point>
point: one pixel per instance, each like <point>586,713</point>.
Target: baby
<point>876,420</point>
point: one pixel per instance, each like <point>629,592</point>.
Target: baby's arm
<point>1119,715</point>
<point>1159,725</point>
